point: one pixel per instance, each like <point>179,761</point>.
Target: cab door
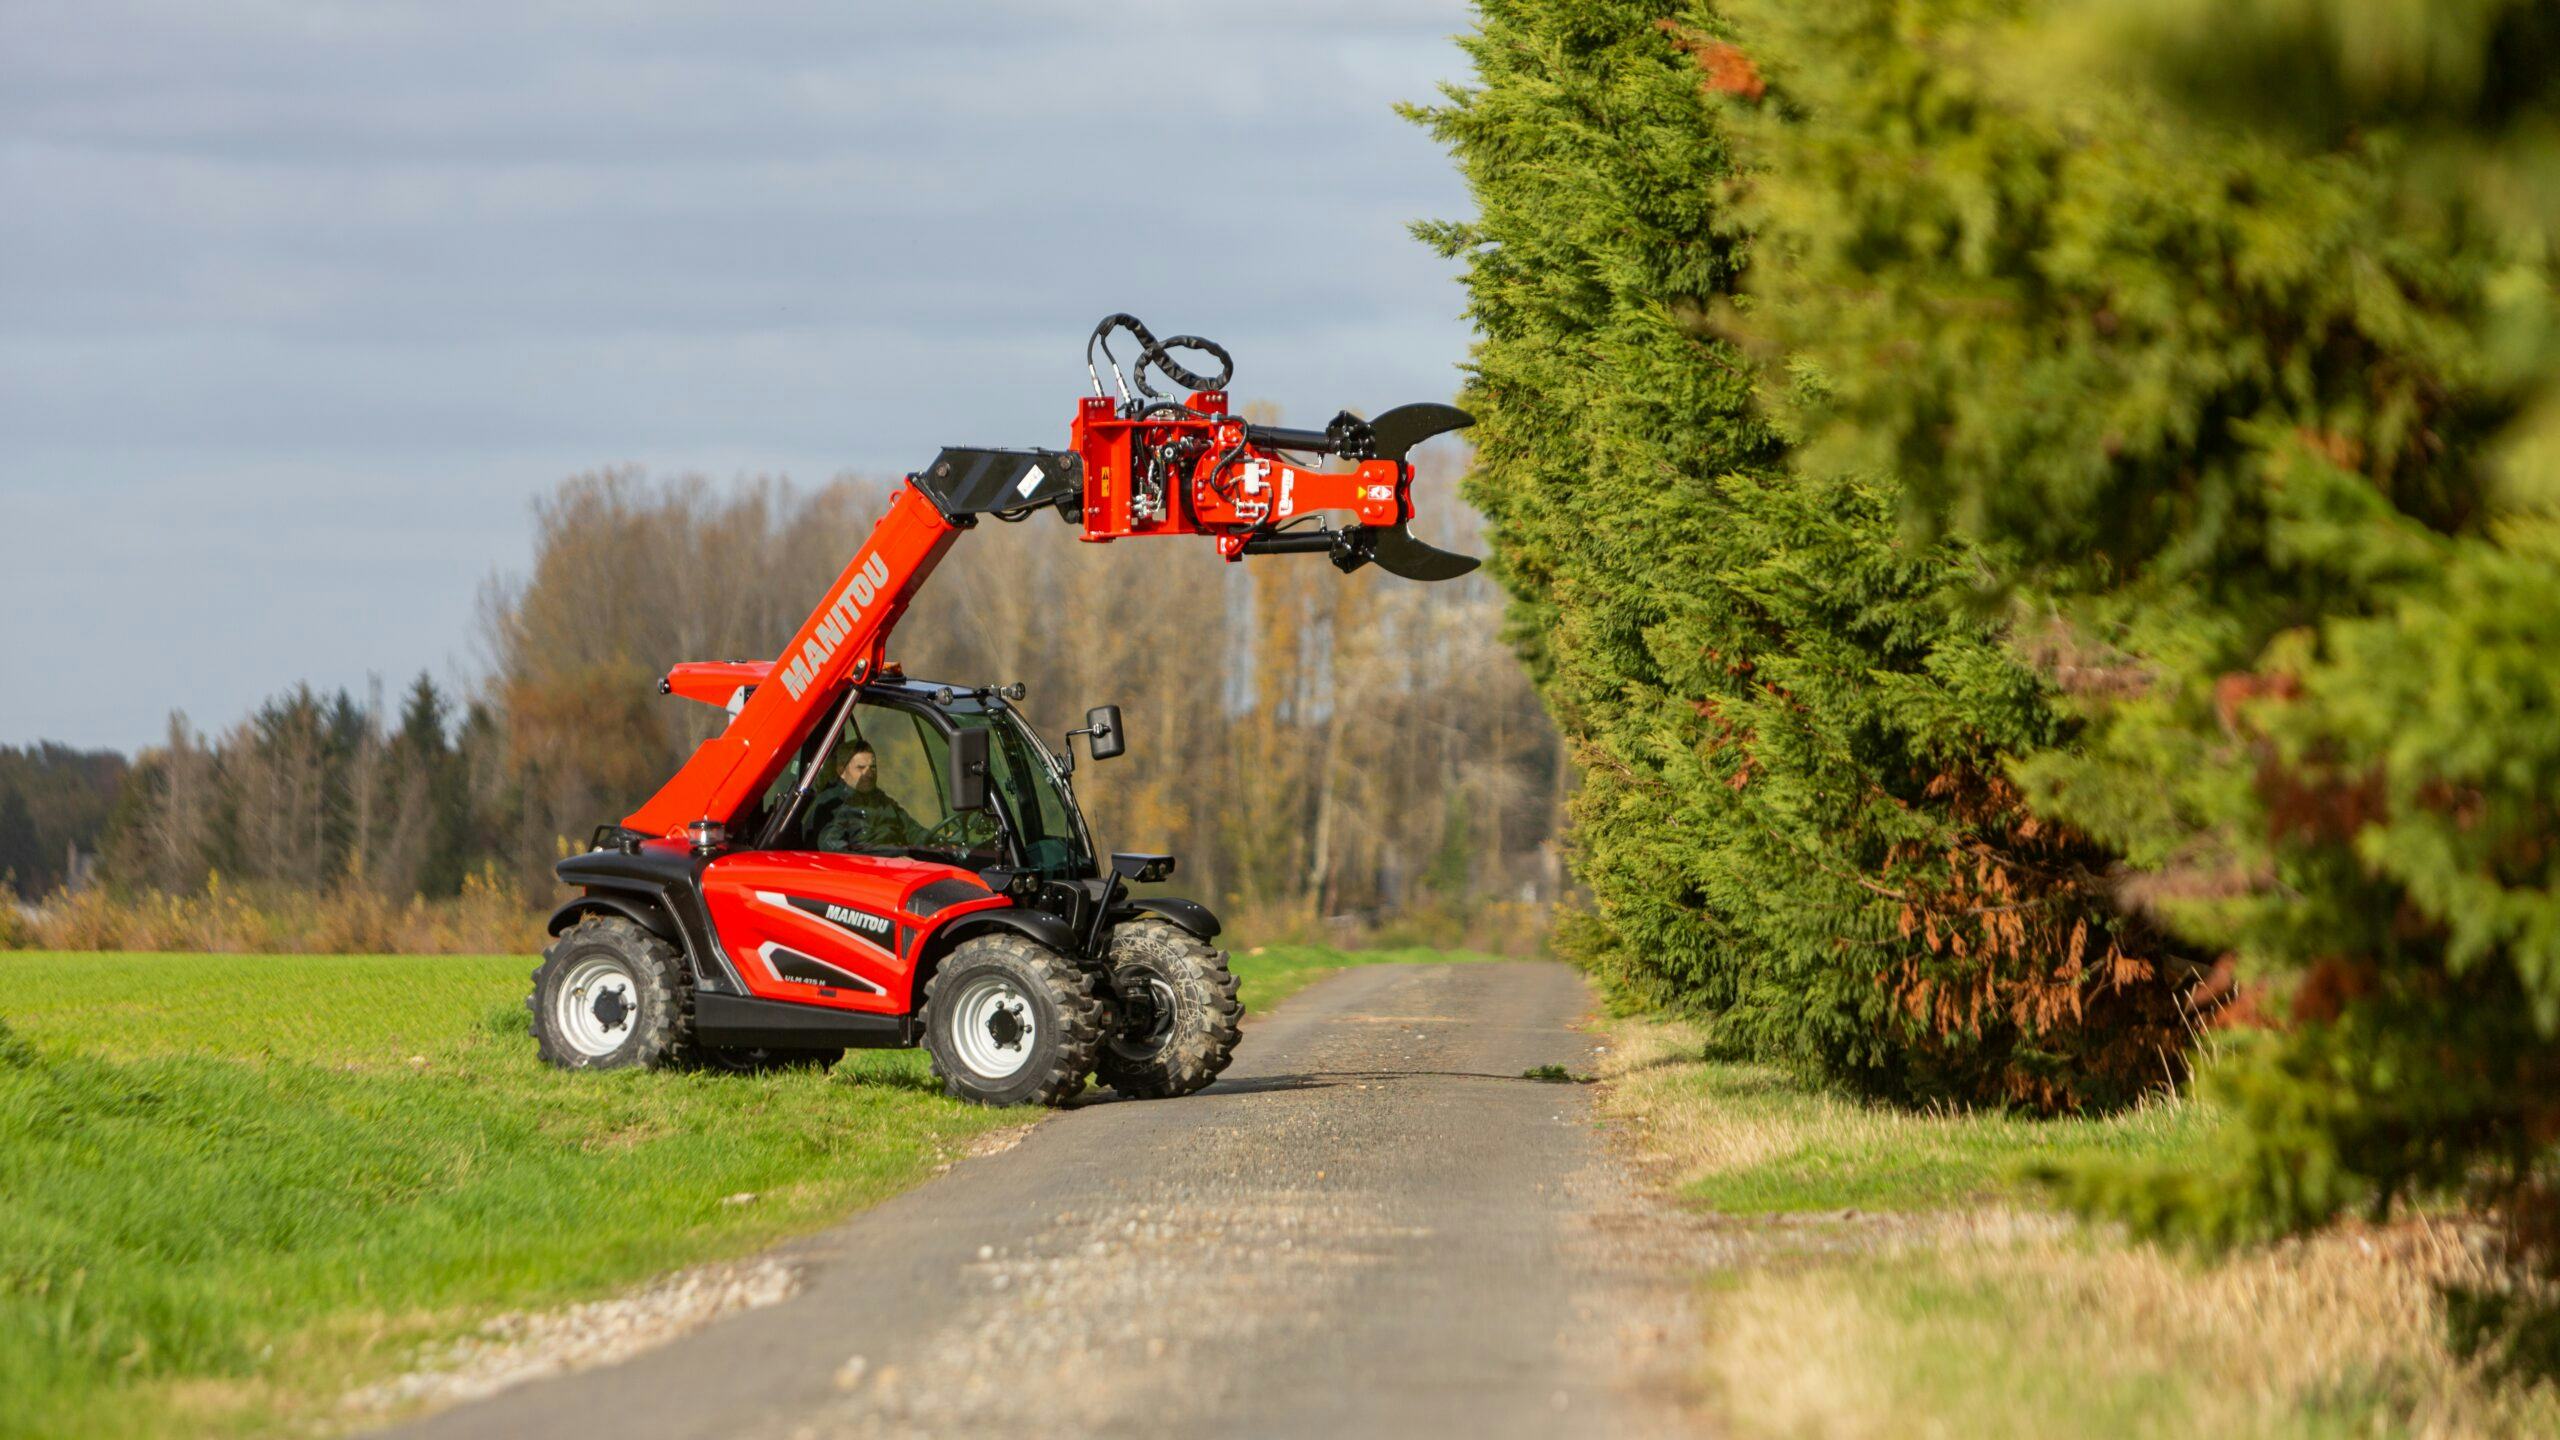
<point>829,915</point>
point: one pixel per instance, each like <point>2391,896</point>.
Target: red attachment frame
<point>1253,492</point>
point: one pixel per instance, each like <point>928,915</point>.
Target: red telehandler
<point>864,859</point>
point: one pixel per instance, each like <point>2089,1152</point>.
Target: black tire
<point>632,1006</point>
<point>761,1061</point>
<point>1176,1016</point>
<point>1009,1021</point>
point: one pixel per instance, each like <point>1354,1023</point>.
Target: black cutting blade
<point>1399,430</point>
<point>1398,553</point>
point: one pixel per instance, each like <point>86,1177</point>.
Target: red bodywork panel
<point>713,681</point>
<point>834,930</point>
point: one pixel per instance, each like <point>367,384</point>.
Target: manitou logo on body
<point>878,930</point>
<point>868,924</point>
<point>835,623</point>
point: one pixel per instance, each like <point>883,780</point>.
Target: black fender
<point>1038,925</point>
<point>664,877</point>
<point>1191,915</point>
<point>648,914</point>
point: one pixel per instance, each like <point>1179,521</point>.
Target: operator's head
<point>861,766</point>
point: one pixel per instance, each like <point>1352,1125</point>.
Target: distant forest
<point>1306,741</point>
<point>53,800</point>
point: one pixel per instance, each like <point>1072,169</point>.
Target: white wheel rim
<point>994,1027</point>
<point>596,1006</point>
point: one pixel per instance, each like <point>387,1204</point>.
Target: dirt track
<point>1372,1225</point>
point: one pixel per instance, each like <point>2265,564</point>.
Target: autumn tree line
<point>1326,753</point>
<point>2041,524</point>
<point>54,803</point>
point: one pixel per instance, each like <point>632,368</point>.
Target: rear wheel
<point>610,996</point>
<point>1009,1021</point>
<point>1176,1019</point>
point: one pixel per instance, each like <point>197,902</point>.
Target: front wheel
<point>1009,1021</point>
<point>1177,1018</point>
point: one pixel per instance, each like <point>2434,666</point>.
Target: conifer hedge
<point>2229,329</point>
<point>1793,725</point>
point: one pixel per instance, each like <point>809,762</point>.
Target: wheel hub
<point>596,1006</point>
<point>612,1007</point>
<point>1146,1018</point>
<point>994,1028</point>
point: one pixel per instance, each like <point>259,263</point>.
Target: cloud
<point>286,281</point>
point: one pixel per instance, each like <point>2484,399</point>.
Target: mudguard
<point>660,874</point>
<point>647,914</point>
<point>1191,915</point>
<point>1040,925</point>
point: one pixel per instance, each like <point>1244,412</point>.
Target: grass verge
<point>1886,1274</point>
<point>234,1187</point>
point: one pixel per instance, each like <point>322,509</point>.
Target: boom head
<point>1146,463</point>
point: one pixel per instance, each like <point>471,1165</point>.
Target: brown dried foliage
<point>2003,916</point>
<point>1727,70</point>
<point>2220,1001</point>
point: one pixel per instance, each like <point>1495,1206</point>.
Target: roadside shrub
<point>1793,740</point>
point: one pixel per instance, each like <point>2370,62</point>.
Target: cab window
<point>881,791</point>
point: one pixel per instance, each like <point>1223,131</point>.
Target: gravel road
<point>1373,1225</point>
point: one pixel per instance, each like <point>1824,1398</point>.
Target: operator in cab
<point>852,812</point>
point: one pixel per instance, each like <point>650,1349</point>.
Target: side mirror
<point>968,771</point>
<point>1102,731</point>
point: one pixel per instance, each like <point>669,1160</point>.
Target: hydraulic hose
<point>1157,353</point>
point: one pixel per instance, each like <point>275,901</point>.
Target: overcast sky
<point>301,303</point>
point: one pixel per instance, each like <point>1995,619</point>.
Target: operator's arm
<point>869,821</point>
<point>909,832</point>
<point>826,812</point>
<point>859,822</point>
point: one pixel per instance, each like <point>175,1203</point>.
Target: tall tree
<point>435,793</point>
<point>1793,741</point>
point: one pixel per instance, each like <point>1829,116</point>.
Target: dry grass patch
<point>1884,1274</point>
<point>1651,1073</point>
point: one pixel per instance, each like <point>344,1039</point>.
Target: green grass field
<point>232,1187</point>
<point>1839,1154</point>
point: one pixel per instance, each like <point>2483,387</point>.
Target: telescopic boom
<point>1139,463</point>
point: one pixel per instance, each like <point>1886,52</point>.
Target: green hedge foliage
<point>2229,330</point>
<point>1793,728</point>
